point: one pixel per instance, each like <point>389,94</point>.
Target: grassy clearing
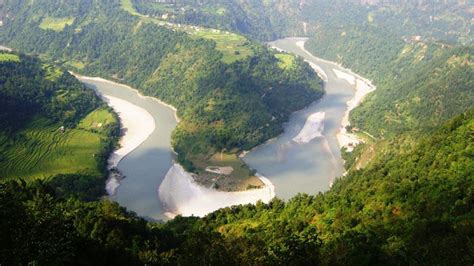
<point>127,5</point>
<point>233,46</point>
<point>52,73</point>
<point>41,150</point>
<point>4,57</point>
<point>97,120</point>
<point>56,24</point>
<point>76,64</point>
<point>286,61</point>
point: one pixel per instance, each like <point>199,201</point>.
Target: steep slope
<point>49,122</point>
<point>448,21</point>
<point>420,85</point>
<point>412,205</point>
<point>227,100</point>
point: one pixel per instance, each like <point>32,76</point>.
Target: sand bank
<point>345,139</point>
<point>137,125</point>
<point>345,76</point>
<point>319,71</point>
<point>362,87</point>
<point>313,128</point>
<point>180,194</point>
<point>130,88</point>
<point>4,48</point>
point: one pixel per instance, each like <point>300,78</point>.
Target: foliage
<point>412,205</point>
<point>419,85</point>
<point>269,20</point>
<point>222,106</point>
<point>56,24</point>
<point>49,123</point>
<point>5,57</point>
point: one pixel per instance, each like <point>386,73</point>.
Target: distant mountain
<point>407,197</point>
<point>448,21</point>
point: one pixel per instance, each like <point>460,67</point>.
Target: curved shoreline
<point>181,195</point>
<point>362,87</point>
<point>200,204</point>
<point>130,88</point>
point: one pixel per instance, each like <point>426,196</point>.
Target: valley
<point>136,132</point>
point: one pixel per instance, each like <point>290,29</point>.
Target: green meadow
<point>286,61</point>
<point>42,149</point>
<point>232,46</point>
<point>4,57</point>
<point>56,24</point>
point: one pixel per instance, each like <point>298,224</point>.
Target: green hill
<point>226,101</point>
<point>412,205</point>
<point>448,21</point>
<point>45,122</point>
<point>411,202</point>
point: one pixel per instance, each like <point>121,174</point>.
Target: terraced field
<point>43,150</point>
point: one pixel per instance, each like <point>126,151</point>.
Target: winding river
<point>306,167</point>
<point>291,162</point>
<point>146,166</point>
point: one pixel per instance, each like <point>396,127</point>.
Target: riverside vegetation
<point>411,205</point>
<point>407,197</point>
<point>224,106</point>
<point>51,125</point>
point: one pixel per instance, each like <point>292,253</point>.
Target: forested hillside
<point>224,104</point>
<point>419,54</point>
<point>419,84</point>
<point>49,122</point>
<point>448,21</point>
<point>412,205</point>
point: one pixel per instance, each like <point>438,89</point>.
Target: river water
<point>292,167</point>
<point>146,166</point>
<point>306,167</point>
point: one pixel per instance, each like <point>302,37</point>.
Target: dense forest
<point>412,205</point>
<point>29,87</point>
<point>223,105</point>
<point>419,85</point>
<point>447,21</point>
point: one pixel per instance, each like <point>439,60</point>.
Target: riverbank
<point>181,195</point>
<point>346,139</point>
<point>4,48</point>
<point>130,88</point>
<point>200,195</point>
<point>362,87</point>
<point>136,126</point>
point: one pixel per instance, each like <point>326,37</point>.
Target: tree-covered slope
<point>224,105</point>
<point>448,21</point>
<point>49,122</point>
<point>419,84</point>
<point>412,205</point>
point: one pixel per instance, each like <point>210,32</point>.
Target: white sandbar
<point>181,195</point>
<point>313,128</point>
<point>137,125</point>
